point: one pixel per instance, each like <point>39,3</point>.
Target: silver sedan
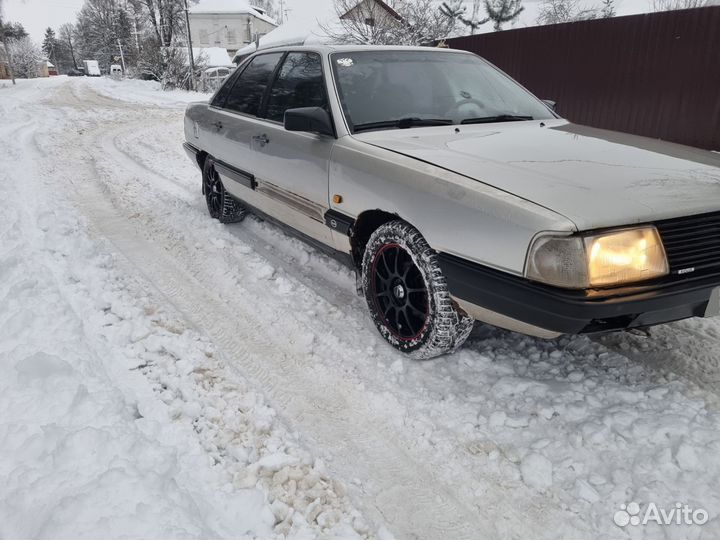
<point>457,195</point>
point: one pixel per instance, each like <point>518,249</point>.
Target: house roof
<point>231,6</point>
<point>380,3</point>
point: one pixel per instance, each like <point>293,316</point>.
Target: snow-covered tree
<point>607,9</point>
<point>100,25</point>
<point>12,30</point>
<point>49,44</point>
<point>497,11</point>
<point>503,11</point>
<point>458,11</point>
<point>24,56</point>
<point>168,65</point>
<point>669,5</point>
<point>562,11</point>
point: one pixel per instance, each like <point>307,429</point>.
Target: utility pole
<point>122,56</point>
<point>190,50</point>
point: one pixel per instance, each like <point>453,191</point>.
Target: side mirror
<point>550,103</point>
<point>312,119</point>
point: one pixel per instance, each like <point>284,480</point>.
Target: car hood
<point>595,178</point>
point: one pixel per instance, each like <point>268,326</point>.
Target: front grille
<point>692,243</point>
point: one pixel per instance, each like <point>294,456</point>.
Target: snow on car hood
<point>594,177</point>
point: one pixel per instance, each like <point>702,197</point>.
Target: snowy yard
<point>165,376</point>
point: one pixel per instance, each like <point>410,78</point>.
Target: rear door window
<point>247,92</point>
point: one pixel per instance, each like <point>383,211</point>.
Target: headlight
<point>597,260</point>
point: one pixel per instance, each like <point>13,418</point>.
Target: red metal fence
<point>656,75</point>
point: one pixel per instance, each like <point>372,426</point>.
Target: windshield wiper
<point>498,118</point>
<point>403,123</point>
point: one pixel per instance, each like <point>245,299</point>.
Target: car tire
<point>221,205</point>
<point>407,294</point>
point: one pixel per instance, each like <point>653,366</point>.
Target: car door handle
<point>218,125</point>
<point>262,140</point>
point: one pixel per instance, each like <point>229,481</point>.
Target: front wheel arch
<point>367,223</point>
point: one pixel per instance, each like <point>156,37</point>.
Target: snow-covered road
<point>167,376</point>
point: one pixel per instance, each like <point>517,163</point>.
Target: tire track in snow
<point>330,412</point>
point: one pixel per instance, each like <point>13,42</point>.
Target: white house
<point>229,24</point>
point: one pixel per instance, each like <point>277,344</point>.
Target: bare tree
<point>66,42</point>
<point>669,5</point>
<point>405,22</point>
<point>25,55</point>
<point>166,17</point>
<point>562,11</point>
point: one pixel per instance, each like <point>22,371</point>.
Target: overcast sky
<point>37,15</point>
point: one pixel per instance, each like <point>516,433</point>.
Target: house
<point>371,12</point>
<point>46,68</point>
<point>230,24</point>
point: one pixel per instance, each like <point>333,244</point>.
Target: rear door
<point>291,167</point>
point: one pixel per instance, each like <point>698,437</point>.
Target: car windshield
<point>400,89</point>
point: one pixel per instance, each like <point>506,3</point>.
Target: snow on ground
<point>167,376</point>
<point>119,420</point>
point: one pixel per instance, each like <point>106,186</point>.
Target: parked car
<point>213,77</point>
<point>116,71</point>
<point>92,68</point>
<point>75,72</point>
<point>459,196</point>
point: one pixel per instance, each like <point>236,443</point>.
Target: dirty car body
<point>533,223</point>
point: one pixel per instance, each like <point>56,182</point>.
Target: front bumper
<point>567,311</point>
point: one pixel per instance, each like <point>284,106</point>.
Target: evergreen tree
<point>12,31</point>
<point>49,44</point>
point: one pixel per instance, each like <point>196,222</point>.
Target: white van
<point>116,71</point>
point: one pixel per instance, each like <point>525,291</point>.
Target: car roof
<point>326,49</point>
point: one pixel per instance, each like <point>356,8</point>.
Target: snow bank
<point>143,92</point>
<point>120,421</point>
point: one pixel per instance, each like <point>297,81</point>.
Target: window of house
<point>231,35</point>
<point>203,36</point>
<point>249,87</point>
<point>299,84</point>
